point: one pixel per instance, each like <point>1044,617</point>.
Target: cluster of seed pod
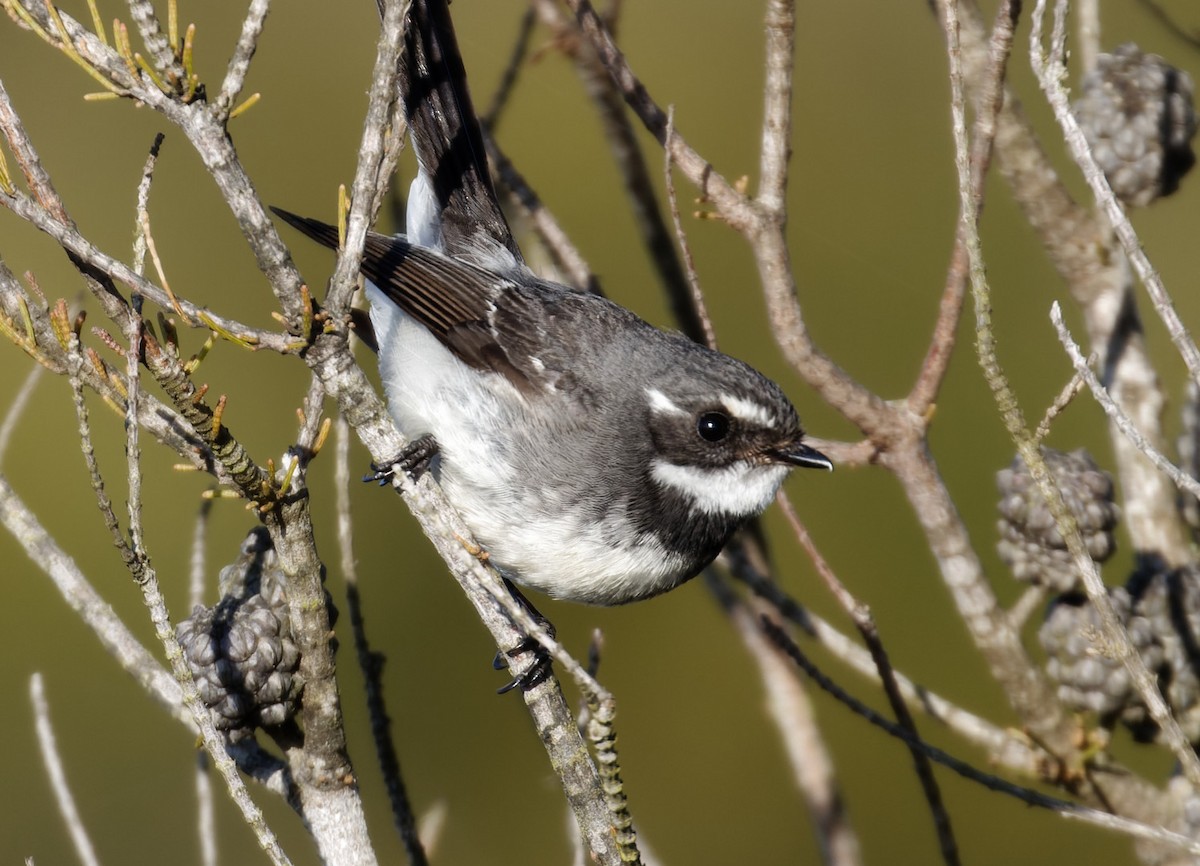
<point>1160,611</point>
<point>1159,607</point>
<point>241,650</point>
<point>1030,542</point>
<point>1136,113</point>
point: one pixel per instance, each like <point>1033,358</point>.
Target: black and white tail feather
<point>452,205</point>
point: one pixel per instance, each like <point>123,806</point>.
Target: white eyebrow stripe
<point>660,402</point>
<point>747,410</point>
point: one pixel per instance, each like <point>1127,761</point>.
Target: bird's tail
<point>459,203</point>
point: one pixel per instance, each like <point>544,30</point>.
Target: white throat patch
<point>740,490</point>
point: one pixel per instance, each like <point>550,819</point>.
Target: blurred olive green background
<point>872,221</point>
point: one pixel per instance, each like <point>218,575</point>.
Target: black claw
<point>382,474</point>
<point>542,666</point>
<point>535,675</point>
<point>414,460</point>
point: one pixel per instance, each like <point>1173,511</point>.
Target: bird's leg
<point>414,460</point>
<point>542,666</point>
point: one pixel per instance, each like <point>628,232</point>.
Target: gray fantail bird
<point>595,457</point>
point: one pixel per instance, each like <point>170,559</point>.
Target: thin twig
<point>634,171</point>
<point>699,307</point>
<point>143,574</point>
<point>365,193</point>
<point>371,662</point>
<point>1004,747</point>
<point>239,60</point>
<point>791,709</point>
<point>603,737</point>
<point>1088,28</point>
<point>1191,37</point>
<point>1084,375</point>
<point>544,224</point>
<point>58,776</point>
<point>74,243</point>
<point>206,818</point>
<point>989,102</point>
<point>166,63</point>
<point>735,207</point>
<point>490,119</point>
<point>1024,607</point>
<point>17,408</point>
<point>1051,72</point>
<point>1065,808</point>
<point>775,148</point>
<point>95,611</point>
<point>1064,398</point>
<point>861,616</point>
<point>213,145</point>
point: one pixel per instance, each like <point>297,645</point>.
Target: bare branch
<point>58,776</point>
<point>1088,26</point>
<point>1064,398</point>
<point>693,278</point>
<point>371,662</point>
<point>792,711</point>
<point>206,830</point>
<point>368,177</point>
<point>76,245</point>
<point>989,102</point>
<point>1015,423</point>
<point>239,61</point>
<point>734,206</point>
<point>13,416</point>
<point>1084,374</point>
<point>166,63</point>
<point>95,612</point>
<point>634,171</point>
<point>777,113</point>
<point>1065,808</point>
<point>1005,747</point>
<point>549,231</point>
<point>490,118</point>
<point>1050,73</point>
<point>860,614</point>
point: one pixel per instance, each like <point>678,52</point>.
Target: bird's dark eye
<point>712,426</point>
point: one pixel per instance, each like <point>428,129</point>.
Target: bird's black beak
<point>799,454</point>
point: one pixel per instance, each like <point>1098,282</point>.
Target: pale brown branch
<point>794,717</point>
<point>777,111</point>
<point>989,101</point>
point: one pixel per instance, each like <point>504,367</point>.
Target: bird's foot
<point>414,460</point>
<point>543,666</point>
<point>537,673</point>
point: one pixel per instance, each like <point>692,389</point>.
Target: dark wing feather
<point>455,301</point>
